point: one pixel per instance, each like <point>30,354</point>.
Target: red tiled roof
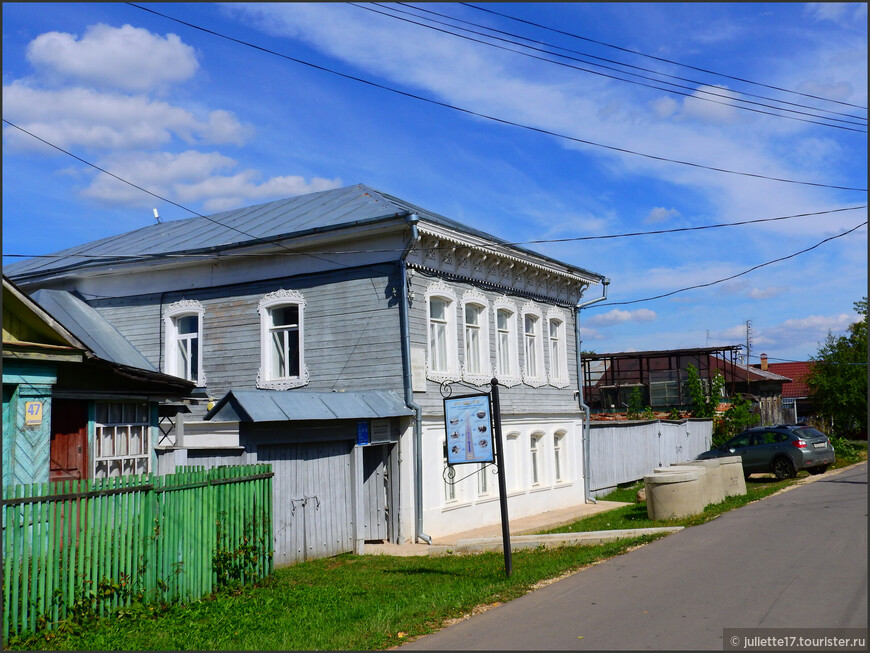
<point>798,373</point>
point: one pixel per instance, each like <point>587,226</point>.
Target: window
<point>449,485</point>
<point>122,439</point>
<point>183,326</point>
<point>534,455</point>
<point>443,360</point>
<point>513,458</point>
<point>476,368</point>
<point>282,338</point>
<point>558,457</point>
<point>557,348</point>
<point>483,479</point>
<point>533,348</point>
<point>506,357</point>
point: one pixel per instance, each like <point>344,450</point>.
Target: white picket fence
<point>622,452</point>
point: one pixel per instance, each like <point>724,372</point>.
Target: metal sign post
<point>473,424</point>
<point>502,491</point>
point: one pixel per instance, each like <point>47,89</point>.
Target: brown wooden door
<point>69,440</point>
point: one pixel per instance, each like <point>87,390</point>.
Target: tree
<point>703,405</point>
<point>838,379</point>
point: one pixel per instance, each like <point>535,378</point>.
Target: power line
<point>613,61</point>
<point>148,192</point>
<point>493,118</point>
<point>649,56</point>
<point>274,240</point>
<point>694,94</point>
<point>739,274</point>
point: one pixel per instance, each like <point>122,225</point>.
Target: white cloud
<point>618,316</point>
<point>767,293</point>
<point>661,214</point>
<point>846,14</point>
<point>192,177</point>
<point>126,58</point>
<point>81,117</point>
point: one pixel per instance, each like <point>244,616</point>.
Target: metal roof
<point>86,324</point>
<point>295,405</point>
<point>272,221</point>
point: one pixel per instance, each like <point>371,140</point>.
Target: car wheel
<point>783,468</point>
<point>818,470</point>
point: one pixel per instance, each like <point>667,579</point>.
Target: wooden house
<point>322,330</point>
<point>78,402</point>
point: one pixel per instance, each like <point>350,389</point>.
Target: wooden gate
<point>311,498</point>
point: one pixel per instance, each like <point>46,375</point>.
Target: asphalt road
<point>796,559</point>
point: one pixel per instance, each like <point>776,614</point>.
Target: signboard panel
<point>32,413</point>
<point>468,420</point>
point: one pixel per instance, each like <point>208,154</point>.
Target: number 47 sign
<point>32,413</point>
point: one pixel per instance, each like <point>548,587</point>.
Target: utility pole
<point>748,343</point>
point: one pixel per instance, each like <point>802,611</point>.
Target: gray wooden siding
<point>312,506</point>
<point>352,335</point>
<point>624,453</point>
<point>520,399</point>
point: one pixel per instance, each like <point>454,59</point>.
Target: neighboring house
<point>797,403</point>
<point>78,400</point>
<point>610,379</point>
<point>323,329</point>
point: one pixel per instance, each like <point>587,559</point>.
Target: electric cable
<point>493,118</point>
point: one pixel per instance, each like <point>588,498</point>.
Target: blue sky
<point>212,124</point>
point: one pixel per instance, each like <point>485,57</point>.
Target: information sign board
<point>468,420</point>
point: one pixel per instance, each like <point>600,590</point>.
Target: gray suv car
<point>784,450</point>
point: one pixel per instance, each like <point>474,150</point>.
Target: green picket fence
<point>98,544</point>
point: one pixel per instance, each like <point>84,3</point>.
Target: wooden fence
<point>95,545</point>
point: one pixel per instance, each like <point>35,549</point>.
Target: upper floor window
<point>282,351</point>
<point>182,323</point>
<point>476,332</point>
<point>533,347</point>
<point>506,354</point>
<point>558,349</point>
<point>443,361</point>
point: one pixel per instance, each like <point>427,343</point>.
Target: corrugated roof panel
<point>91,328</point>
<point>296,405</point>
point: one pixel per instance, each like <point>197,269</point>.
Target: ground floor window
<point>122,439</point>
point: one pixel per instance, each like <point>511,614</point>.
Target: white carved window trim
<point>122,438</point>
<point>440,290</point>
<point>512,376</point>
<point>558,370</point>
<point>536,377</point>
<point>179,309</point>
<point>270,301</point>
<point>484,376</point>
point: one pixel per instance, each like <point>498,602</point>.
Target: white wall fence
<point>622,452</point>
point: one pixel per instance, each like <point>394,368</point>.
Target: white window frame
<point>176,310</point>
<point>533,377</point>
<point>451,371</point>
<point>513,459</point>
<point>558,368</point>
<point>123,439</point>
<point>483,375</point>
<point>560,457</point>
<point>271,301</point>
<point>536,459</point>
<point>483,472</point>
<point>511,376</point>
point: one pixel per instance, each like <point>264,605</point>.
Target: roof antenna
<point>157,217</point>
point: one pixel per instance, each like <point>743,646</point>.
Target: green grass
<point>344,603</point>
